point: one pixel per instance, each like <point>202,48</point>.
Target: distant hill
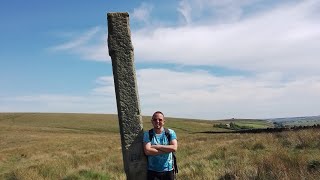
<point>296,121</point>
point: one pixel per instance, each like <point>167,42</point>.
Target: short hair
<point>157,112</point>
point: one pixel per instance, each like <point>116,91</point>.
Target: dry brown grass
<point>73,146</point>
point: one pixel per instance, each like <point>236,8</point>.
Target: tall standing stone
<point>130,120</point>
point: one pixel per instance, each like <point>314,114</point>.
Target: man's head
<point>157,120</point>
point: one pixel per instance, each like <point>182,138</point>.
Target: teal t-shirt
<point>161,162</point>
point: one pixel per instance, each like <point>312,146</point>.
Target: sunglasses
<point>155,120</point>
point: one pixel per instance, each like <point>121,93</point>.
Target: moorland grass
<point>87,146</point>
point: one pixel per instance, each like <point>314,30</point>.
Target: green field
<point>248,123</point>
<point>87,146</point>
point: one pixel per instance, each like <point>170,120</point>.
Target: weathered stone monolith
<point>130,120</point>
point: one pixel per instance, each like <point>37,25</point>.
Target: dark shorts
<point>166,175</point>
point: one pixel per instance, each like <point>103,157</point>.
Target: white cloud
<point>194,94</point>
<point>285,38</point>
<point>278,45</point>
<point>199,94</point>
<point>105,87</point>
<point>142,13</point>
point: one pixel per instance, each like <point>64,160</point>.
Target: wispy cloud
<point>223,11</point>
<point>78,41</point>
<point>90,45</point>
<point>58,103</point>
<point>46,98</point>
<point>185,10</point>
<point>142,13</point>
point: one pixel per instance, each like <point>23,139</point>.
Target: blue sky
<point>207,59</point>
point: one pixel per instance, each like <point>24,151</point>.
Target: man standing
<point>159,144</point>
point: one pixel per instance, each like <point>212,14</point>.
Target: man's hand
<point>149,150</point>
<point>160,149</point>
<point>167,148</point>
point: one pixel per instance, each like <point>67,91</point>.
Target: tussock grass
<point>83,146</point>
